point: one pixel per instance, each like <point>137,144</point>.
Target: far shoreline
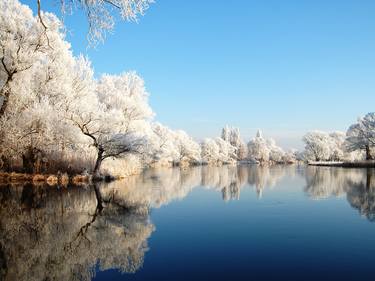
<point>354,164</point>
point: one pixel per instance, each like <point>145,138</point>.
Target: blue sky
<point>286,67</point>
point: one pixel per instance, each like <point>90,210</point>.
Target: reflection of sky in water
<point>228,223</point>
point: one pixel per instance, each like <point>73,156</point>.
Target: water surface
<point>204,223</point>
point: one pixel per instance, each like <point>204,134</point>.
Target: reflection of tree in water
<point>323,182</point>
<point>362,195</point>
<point>155,187</point>
<point>225,179</point>
<point>264,176</point>
<point>64,234</point>
<point>158,187</point>
<point>51,234</point>
<point>230,180</point>
<point>357,184</point>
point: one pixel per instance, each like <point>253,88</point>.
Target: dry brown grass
<point>39,177</point>
<point>15,177</point>
<point>4,177</point>
<point>11,178</point>
<point>80,179</point>
<point>20,177</point>
<point>52,180</point>
<point>64,179</point>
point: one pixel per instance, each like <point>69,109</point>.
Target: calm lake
<point>203,223</point>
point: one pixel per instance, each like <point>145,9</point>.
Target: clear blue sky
<point>284,66</point>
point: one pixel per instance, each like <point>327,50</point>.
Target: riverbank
<point>50,179</point>
<point>355,164</point>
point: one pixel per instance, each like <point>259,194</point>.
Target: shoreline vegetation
<point>50,179</point>
<point>343,164</point>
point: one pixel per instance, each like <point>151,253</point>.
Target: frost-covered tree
<point>163,147</point>
<point>259,149</point>
<point>53,108</point>
<point>322,146</point>
<point>237,142</point>
<point>291,156</point>
<point>22,44</point>
<point>217,151</point>
<point>225,133</point>
<point>118,120</point>
<point>188,149</point>
<point>233,136</point>
<point>51,105</point>
<point>265,150</point>
<point>337,146</point>
<point>317,146</point>
<point>276,153</point>
<point>99,13</point>
<point>242,151</point>
<point>210,151</point>
<point>169,147</point>
<point>39,77</point>
<point>361,135</point>
<point>227,152</point>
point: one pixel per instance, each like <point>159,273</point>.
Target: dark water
<point>227,223</point>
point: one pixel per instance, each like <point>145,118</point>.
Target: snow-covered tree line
<point>55,116</point>
<point>266,150</point>
<point>231,148</point>
<point>356,144</point>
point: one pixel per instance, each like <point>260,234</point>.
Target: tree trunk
<point>98,163</point>
<point>37,162</point>
<point>4,164</point>
<point>5,93</point>
<point>368,153</point>
<point>4,103</point>
<point>28,161</point>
